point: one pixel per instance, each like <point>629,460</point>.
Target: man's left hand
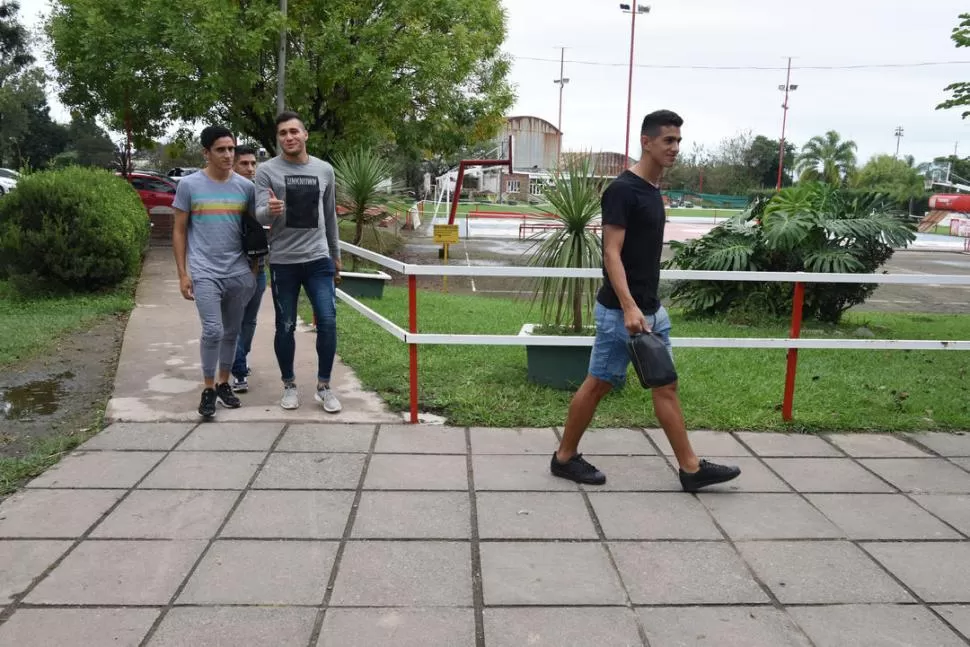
<point>337,266</point>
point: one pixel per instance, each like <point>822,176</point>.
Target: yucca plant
<point>573,200</point>
<point>806,228</point>
<point>359,175</point>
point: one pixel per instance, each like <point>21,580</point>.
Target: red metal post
<point>796,331</point>
<point>784,120</point>
<point>629,86</point>
<point>462,165</point>
<point>413,348</point>
<point>454,196</point>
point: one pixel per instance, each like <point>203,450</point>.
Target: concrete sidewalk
<point>311,535</point>
<point>159,373</point>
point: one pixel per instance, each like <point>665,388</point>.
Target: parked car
<point>157,192</point>
<point>8,180</point>
<point>178,173</point>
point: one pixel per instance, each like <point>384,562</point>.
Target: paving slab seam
<point>907,495</point>
<point>929,607</point>
<point>773,599</point>
<point>211,541</point>
<point>17,599</point>
<point>858,543</point>
<point>602,541</point>
<point>478,592</point>
<point>348,529</point>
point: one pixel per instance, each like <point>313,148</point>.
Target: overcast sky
<point>865,105</point>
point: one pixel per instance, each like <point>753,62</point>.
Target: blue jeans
<point>244,343</point>
<point>609,358</point>
<point>316,278</point>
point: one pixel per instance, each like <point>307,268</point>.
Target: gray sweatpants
<point>221,303</point>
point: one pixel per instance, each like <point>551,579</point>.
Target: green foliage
<point>75,229</point>
<point>827,159</point>
<point>574,199</point>
<point>960,90</point>
<point>835,389</point>
<point>359,175</point>
<point>894,177</point>
<point>14,41</point>
<point>421,74</point>
<point>806,228</point>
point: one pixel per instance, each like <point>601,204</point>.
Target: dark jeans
<point>244,343</point>
<point>316,278</point>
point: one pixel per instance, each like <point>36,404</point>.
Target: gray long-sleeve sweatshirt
<point>307,228</point>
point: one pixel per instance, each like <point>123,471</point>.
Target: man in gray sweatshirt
<point>295,197</point>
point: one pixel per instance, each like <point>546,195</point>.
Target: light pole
<point>561,82</point>
<point>639,8</point>
<point>898,133</point>
<point>281,71</point>
<point>784,119</point>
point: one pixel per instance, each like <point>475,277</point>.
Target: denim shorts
<point>609,359</point>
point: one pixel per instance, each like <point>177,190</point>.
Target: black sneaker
<point>577,469</point>
<point>207,407</point>
<point>708,474</point>
<point>226,397</point>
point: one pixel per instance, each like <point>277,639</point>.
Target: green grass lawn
<point>720,388</point>
<point>31,326</point>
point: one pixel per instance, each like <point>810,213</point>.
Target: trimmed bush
<point>75,229</point>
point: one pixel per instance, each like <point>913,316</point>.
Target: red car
<point>157,193</point>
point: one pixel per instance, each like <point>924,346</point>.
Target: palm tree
<point>359,176</point>
<point>574,199</point>
<point>827,158</point>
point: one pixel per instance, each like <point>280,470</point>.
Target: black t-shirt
<point>636,205</point>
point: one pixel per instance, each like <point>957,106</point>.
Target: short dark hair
<point>287,115</point>
<point>245,149</point>
<point>656,120</point>
<point>210,134</point>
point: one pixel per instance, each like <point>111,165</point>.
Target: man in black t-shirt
<point>633,228</point>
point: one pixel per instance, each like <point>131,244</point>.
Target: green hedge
<point>74,229</point>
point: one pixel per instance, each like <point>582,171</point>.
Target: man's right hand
<point>275,205</point>
<point>634,321</point>
<point>185,287</point>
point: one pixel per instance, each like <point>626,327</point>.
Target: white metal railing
<point>412,337</point>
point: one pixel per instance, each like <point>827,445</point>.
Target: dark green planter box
<point>558,367</point>
<point>364,284</point>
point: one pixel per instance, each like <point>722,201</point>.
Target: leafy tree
<point>14,55</point>
<point>960,90</point>
<point>827,158</point>
<point>761,160</point>
<point>894,177</point>
<point>91,144</point>
<point>18,96</point>
<point>811,227</point>
<point>421,74</point>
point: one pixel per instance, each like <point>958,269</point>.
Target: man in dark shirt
<point>633,228</point>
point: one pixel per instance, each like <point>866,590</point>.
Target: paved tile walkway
<point>312,535</point>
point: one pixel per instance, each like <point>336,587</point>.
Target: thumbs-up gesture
<point>275,204</point>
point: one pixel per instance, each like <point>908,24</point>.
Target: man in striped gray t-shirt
<point>212,266</point>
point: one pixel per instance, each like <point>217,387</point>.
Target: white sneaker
<point>329,401</point>
<point>291,397</point>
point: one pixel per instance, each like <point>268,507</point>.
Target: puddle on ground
<point>40,398</point>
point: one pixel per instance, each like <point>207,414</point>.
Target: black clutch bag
<point>651,361</point>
